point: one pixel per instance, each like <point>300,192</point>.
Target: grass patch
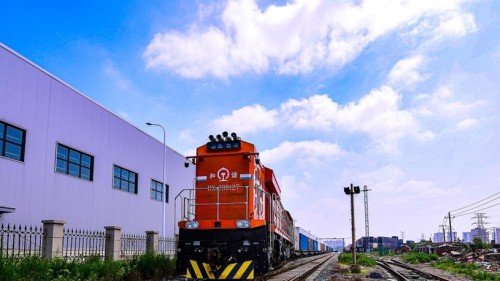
<point>143,267</point>
<point>471,270</point>
<point>361,259</point>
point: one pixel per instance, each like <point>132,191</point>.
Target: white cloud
<point>406,71</point>
<point>248,119</point>
<point>298,36</point>
<point>443,103</point>
<point>317,111</point>
<point>455,24</point>
<point>467,123</point>
<point>377,114</point>
<point>311,151</point>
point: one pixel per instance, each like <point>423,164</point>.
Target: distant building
<point>438,237</point>
<point>481,233</point>
<point>467,237</point>
<point>454,234</point>
<point>497,235</point>
<point>337,245</point>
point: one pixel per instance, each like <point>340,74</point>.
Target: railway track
<point>404,272</point>
<point>300,270</point>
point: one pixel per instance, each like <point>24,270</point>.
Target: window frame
<point>73,162</point>
<point>4,141</point>
<point>164,190</point>
<point>120,179</point>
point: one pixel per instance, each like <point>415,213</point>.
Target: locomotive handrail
<point>217,203</point>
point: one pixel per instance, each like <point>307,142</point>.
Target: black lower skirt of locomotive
<point>224,253</point>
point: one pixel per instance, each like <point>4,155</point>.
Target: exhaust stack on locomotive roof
<point>224,137</point>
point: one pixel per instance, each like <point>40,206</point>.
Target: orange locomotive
<point>233,224</point>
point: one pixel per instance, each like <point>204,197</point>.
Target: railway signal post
<point>351,191</point>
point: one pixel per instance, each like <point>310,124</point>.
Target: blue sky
<point>400,96</point>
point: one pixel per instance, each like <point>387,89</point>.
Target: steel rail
<point>297,272</point>
<point>391,270</point>
<point>406,266</point>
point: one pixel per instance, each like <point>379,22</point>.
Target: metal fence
<point>83,243</point>
<point>20,241</point>
<point>167,246</point>
<point>132,244</point>
<point>17,241</point>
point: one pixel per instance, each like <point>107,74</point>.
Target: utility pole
<point>367,223</point>
<point>402,236</point>
<point>351,191</point>
<point>451,233</point>
<point>444,232</point>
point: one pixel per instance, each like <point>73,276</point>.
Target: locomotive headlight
<point>243,224</point>
<point>196,243</point>
<point>246,243</point>
<point>192,225</point>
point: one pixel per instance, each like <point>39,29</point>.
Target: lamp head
<point>149,124</point>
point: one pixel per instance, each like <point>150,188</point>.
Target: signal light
<point>357,190</point>
<point>211,138</point>
<point>347,190</point>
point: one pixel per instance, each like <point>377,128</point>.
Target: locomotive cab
<point>232,225</point>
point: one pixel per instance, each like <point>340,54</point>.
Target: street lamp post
<point>164,183</point>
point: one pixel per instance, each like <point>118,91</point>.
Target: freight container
<point>303,243</point>
<point>302,239</point>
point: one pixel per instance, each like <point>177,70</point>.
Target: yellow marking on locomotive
<point>242,270</point>
<point>208,270</point>
<point>227,271</point>
<point>196,269</point>
<point>231,271</point>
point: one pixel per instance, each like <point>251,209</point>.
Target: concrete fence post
<point>52,241</point>
<point>113,246</point>
<point>152,240</point>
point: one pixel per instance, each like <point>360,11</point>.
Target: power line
<point>477,206</point>
<point>477,202</point>
<point>476,211</point>
<point>459,213</point>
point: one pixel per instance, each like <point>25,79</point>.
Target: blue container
<point>315,246</point>
<point>303,243</point>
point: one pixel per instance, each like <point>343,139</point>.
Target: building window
<point>12,141</point>
<point>124,179</point>
<point>74,163</point>
<point>157,191</point>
